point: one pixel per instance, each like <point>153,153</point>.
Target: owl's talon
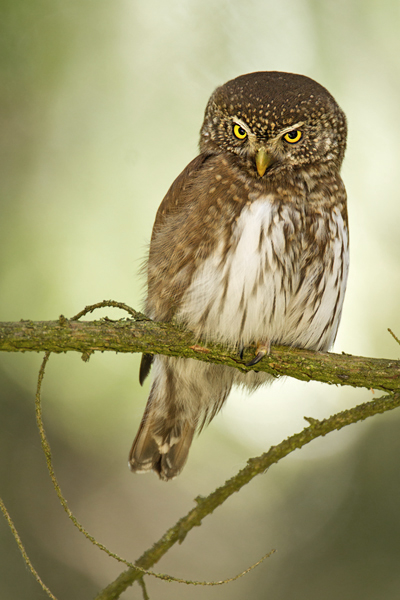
<point>257,358</point>
<point>262,350</point>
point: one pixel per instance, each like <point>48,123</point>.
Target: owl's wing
<point>176,197</point>
<point>178,234</point>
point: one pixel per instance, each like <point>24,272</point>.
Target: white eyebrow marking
<point>291,128</point>
<point>237,121</point>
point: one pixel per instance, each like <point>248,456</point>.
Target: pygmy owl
<point>249,246</point>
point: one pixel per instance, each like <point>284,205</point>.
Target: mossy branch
<point>255,466</point>
<point>139,334</point>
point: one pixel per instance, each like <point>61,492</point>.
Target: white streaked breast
<point>255,293</point>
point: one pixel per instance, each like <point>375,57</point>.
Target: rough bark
<point>142,335</point>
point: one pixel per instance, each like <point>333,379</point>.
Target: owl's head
<point>274,121</point>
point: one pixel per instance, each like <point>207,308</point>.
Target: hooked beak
<point>263,161</point>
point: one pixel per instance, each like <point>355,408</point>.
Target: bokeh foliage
<point>101,104</point>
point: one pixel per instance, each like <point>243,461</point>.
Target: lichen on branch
<point>139,334</point>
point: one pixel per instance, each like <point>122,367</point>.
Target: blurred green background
<point>101,104</point>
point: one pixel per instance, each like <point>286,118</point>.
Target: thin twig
<point>254,467</point>
<point>144,590</point>
<point>137,568</point>
<point>23,551</point>
<point>395,337</point>
<point>107,303</point>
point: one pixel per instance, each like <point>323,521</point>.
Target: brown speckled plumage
<point>250,244</point>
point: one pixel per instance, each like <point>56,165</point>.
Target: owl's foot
<point>262,349</point>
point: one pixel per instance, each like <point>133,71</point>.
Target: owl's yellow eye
<point>293,136</point>
<point>239,132</point>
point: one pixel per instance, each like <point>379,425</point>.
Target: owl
<point>249,247</point>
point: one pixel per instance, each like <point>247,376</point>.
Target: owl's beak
<point>263,161</point>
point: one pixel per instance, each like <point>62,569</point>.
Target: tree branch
<point>254,467</point>
<point>143,335</point>
<point>139,334</point>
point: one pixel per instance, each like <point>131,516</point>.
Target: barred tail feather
<point>163,450</point>
<point>185,394</point>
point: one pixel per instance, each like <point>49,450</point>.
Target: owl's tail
<point>161,448</point>
<point>184,396</point>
